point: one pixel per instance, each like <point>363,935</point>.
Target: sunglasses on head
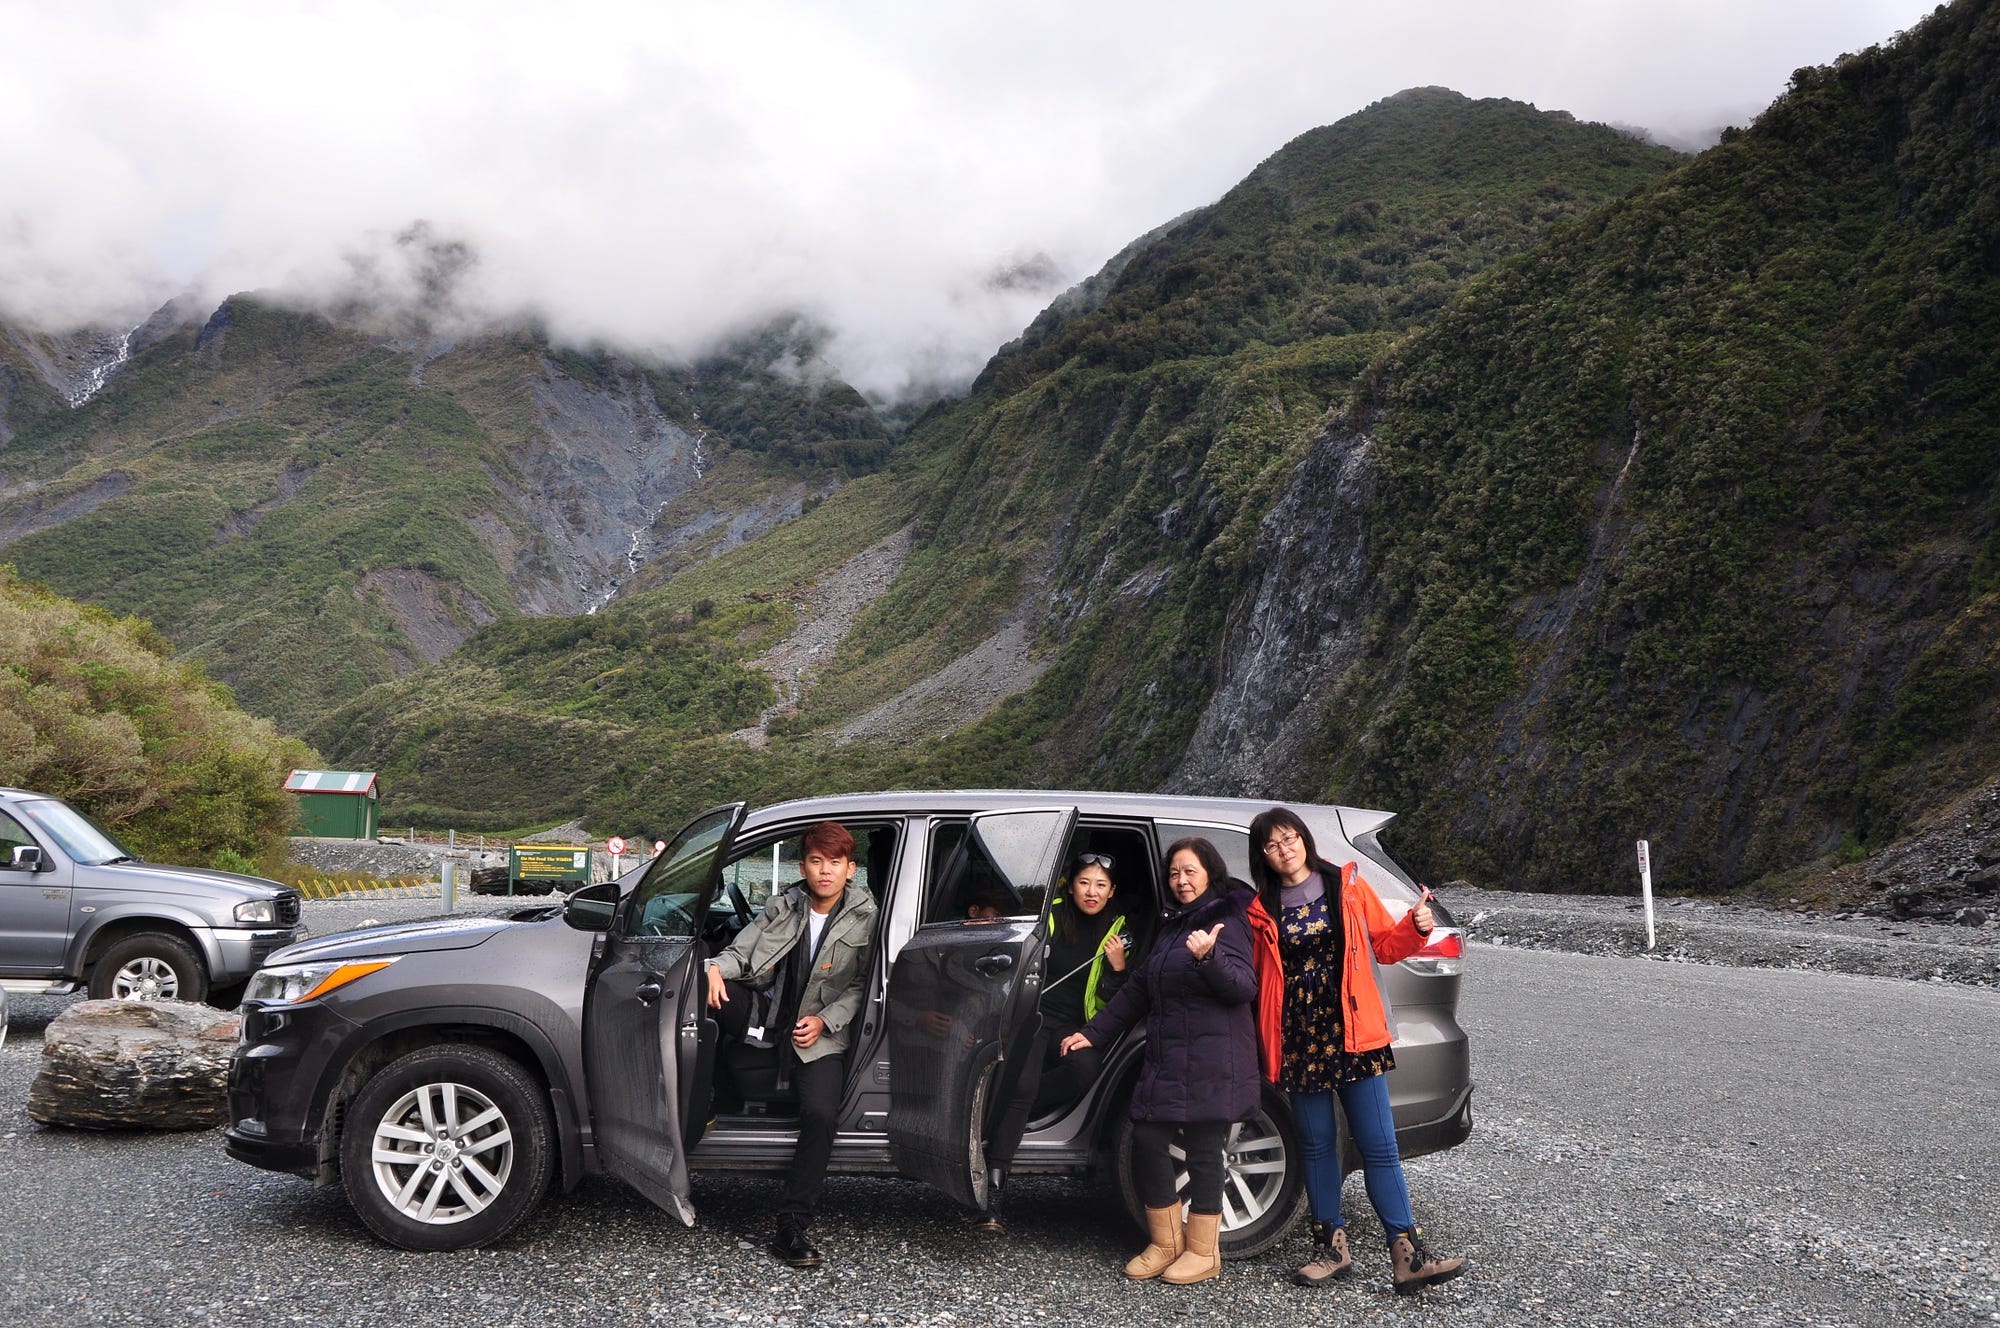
<point>1093,860</point>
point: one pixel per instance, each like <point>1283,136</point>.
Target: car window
<point>665,902</point>
<point>12,836</point>
<point>1233,843</point>
<point>772,866</point>
<point>990,874</point>
<point>79,836</point>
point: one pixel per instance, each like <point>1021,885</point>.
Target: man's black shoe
<point>791,1246</point>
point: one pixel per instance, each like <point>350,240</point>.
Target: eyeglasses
<point>1282,840</point>
<point>1093,860</point>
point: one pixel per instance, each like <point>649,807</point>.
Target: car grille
<point>288,909</point>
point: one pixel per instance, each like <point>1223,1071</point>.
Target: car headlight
<point>258,910</point>
<point>289,984</point>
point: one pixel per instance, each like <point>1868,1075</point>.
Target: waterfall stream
<point>100,374</point>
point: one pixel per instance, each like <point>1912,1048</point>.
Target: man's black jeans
<point>818,1084</point>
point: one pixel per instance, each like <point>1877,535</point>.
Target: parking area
<point>1657,1144</point>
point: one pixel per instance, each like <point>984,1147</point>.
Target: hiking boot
<point>1164,1226</point>
<point>1329,1257</point>
<point>1201,1259</point>
<point>1416,1268</point>
<point>791,1245</point>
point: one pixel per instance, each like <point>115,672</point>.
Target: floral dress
<point>1316,1057</point>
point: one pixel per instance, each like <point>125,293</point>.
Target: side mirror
<point>28,858</point>
<point>591,908</point>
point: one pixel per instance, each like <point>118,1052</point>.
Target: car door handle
<point>992,965</point>
<point>648,992</point>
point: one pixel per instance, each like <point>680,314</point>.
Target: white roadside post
<point>615,846</point>
<point>1646,889</point>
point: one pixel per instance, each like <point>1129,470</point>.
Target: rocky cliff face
<point>1300,625</point>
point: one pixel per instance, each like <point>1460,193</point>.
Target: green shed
<point>337,804</point>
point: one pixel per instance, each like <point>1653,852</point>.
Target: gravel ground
<point>1716,932</point>
<point>1658,1144</point>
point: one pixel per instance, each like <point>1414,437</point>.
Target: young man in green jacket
<point>811,946</point>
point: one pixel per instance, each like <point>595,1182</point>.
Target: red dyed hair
<point>829,839</point>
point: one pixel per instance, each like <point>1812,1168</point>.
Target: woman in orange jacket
<point>1336,1041</point>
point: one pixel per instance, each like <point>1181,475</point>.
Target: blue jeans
<point>1366,1105</point>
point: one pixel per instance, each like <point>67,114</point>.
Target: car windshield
<point>78,835</point>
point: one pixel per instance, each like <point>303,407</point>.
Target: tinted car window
<point>1235,844</point>
<point>994,865</point>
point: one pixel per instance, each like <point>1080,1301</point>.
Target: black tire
<point>1271,1136</point>
<point>149,966</point>
<point>468,1208</point>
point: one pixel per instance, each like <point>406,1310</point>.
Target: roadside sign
<point>615,844</point>
<point>1646,889</point>
<point>547,864</point>
<point>659,847</point>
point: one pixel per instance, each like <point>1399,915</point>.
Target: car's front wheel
<point>149,966</point>
<point>447,1148</point>
<point>1263,1179</point>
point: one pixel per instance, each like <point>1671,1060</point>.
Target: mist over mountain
<point>659,179</point>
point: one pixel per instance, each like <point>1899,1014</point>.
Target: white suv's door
<point>643,990</point>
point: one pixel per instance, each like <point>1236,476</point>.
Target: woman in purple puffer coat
<point>1197,992</point>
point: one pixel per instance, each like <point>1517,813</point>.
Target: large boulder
<point>147,1065</point>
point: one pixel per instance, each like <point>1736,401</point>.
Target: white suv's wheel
<point>1263,1179</point>
<point>446,1148</point>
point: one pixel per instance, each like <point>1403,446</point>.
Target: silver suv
<point>76,909</point>
<point>447,1072</point>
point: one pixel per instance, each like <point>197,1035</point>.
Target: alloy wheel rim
<point>442,1153</point>
<point>1253,1171</point>
<point>145,979</point>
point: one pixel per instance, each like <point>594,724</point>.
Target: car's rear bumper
<point>1431,1136</point>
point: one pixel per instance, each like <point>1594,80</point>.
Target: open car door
<point>963,995</point>
<point>642,1009</point>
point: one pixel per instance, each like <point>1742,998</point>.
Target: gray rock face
<point>148,1065</point>
<point>1294,637</point>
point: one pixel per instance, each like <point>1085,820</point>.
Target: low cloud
<point>918,178</point>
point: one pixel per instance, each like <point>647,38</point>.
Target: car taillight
<point>1442,956</point>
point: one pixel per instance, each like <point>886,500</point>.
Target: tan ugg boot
<point>1416,1268</point>
<point>1201,1259</point>
<point>1164,1226</point>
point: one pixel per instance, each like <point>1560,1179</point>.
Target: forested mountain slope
<point>1096,493</point>
<point>1683,526</point>
<point>313,504</point>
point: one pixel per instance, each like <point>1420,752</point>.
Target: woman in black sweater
<point>1088,957</point>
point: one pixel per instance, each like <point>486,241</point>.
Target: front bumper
<point>275,1078</point>
<point>241,951</point>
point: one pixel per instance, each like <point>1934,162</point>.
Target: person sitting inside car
<point>810,946</point>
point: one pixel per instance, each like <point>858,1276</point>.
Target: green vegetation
<point>95,709</point>
<point>1743,420</point>
<point>1115,463</point>
<point>1123,453</point>
<point>240,485</point>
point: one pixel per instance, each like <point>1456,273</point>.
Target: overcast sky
<point>657,174</point>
